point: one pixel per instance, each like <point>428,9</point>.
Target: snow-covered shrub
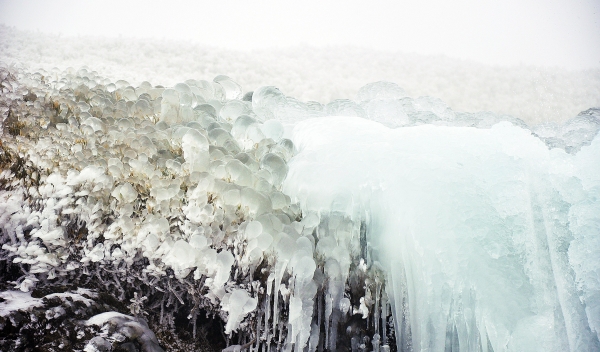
<point>174,194</point>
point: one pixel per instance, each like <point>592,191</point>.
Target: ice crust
<point>473,234</point>
<point>488,238</point>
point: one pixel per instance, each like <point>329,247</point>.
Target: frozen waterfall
<point>488,237</point>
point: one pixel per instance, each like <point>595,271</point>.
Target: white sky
<point>563,33</point>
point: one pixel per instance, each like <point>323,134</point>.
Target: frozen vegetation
<point>198,216</point>
<point>172,198</point>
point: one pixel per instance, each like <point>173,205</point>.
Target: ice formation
<point>173,195</point>
<point>403,225</point>
<point>489,239</point>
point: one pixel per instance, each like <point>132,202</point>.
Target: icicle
<point>313,341</point>
<point>376,307</point>
<point>335,317</point>
<point>320,317</point>
<point>267,305</point>
<point>280,328</point>
<point>354,343</point>
<point>384,314</point>
<point>335,291</point>
<point>258,324</point>
<point>267,330</point>
<point>375,342</point>
<point>327,314</point>
<point>285,249</point>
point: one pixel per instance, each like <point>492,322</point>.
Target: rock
<point>99,344</point>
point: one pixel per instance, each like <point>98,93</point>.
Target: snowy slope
<point>530,93</point>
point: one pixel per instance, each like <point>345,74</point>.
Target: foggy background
<point>539,61</point>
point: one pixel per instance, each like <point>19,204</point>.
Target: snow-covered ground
<point>376,216</point>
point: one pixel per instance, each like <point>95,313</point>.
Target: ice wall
<point>490,239</point>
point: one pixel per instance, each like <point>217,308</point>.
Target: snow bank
<point>17,300</point>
